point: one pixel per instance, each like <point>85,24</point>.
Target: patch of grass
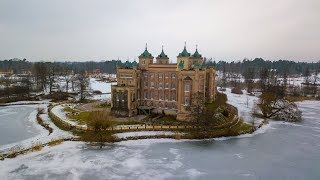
<point>14,151</point>
<point>240,128</point>
<point>177,136</point>
<point>129,123</point>
<point>103,105</point>
<point>81,117</point>
<point>37,146</point>
<point>233,130</point>
<point>55,142</point>
<point>168,120</point>
<point>69,109</point>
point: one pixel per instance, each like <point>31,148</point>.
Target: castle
<point>160,86</point>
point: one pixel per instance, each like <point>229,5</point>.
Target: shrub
<point>36,146</point>
<point>97,92</point>
<point>98,123</point>
<point>54,142</point>
<point>177,136</point>
<point>236,90</point>
<point>14,151</point>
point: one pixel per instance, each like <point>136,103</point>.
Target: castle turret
<point>184,56</point>
<point>162,58</point>
<point>196,58</point>
<point>145,59</point>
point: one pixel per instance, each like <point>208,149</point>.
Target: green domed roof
<point>184,53</point>
<point>162,55</point>
<point>127,64</point>
<point>118,63</point>
<point>146,54</point>
<point>134,64</point>
<point>196,54</point>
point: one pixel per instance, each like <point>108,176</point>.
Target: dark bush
<point>97,92</point>
<point>236,90</point>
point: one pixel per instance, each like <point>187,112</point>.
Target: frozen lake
<point>16,123</point>
<point>278,151</point>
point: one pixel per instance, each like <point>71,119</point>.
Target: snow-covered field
<point>244,103</point>
<point>104,87</point>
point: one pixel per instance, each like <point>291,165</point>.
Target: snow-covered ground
<point>101,86</point>
<point>291,80</point>
<point>46,101</point>
<point>104,87</point>
<point>244,103</point>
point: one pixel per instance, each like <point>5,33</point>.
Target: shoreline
<point>173,136</point>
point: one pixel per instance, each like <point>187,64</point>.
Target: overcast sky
<point>79,30</point>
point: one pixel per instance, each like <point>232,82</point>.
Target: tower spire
<point>185,44</point>
<point>162,48</point>
<point>146,46</point>
<point>197,47</point>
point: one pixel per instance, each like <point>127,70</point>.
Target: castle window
<point>173,75</point>
<point>151,95</point>
<point>145,84</point>
<point>132,97</point>
<point>152,75</point>
<point>143,62</point>
<point>186,87</point>
<point>173,97</point>
<point>152,84</point>
<point>167,75</point>
<point>160,75</point>
<point>160,85</point>
<point>166,97</point>
<point>145,95</point>
<point>160,95</point>
<point>173,85</point>
<point>167,85</point>
<point>145,75</point>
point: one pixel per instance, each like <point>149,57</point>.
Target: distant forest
<point>281,66</point>
<point>19,66</point>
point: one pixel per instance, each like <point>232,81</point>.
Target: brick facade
<point>161,87</point>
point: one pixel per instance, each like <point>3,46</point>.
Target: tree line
<point>241,67</point>
<point>22,66</point>
<point>281,67</point>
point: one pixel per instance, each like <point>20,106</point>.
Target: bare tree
<point>82,83</point>
<point>67,78</point>
<point>249,76</point>
<point>40,72</point>
<point>274,106</point>
<point>197,108</point>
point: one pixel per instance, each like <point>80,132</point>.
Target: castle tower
<point>145,59</point>
<point>184,57</point>
<point>162,58</point>
<point>196,58</point>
